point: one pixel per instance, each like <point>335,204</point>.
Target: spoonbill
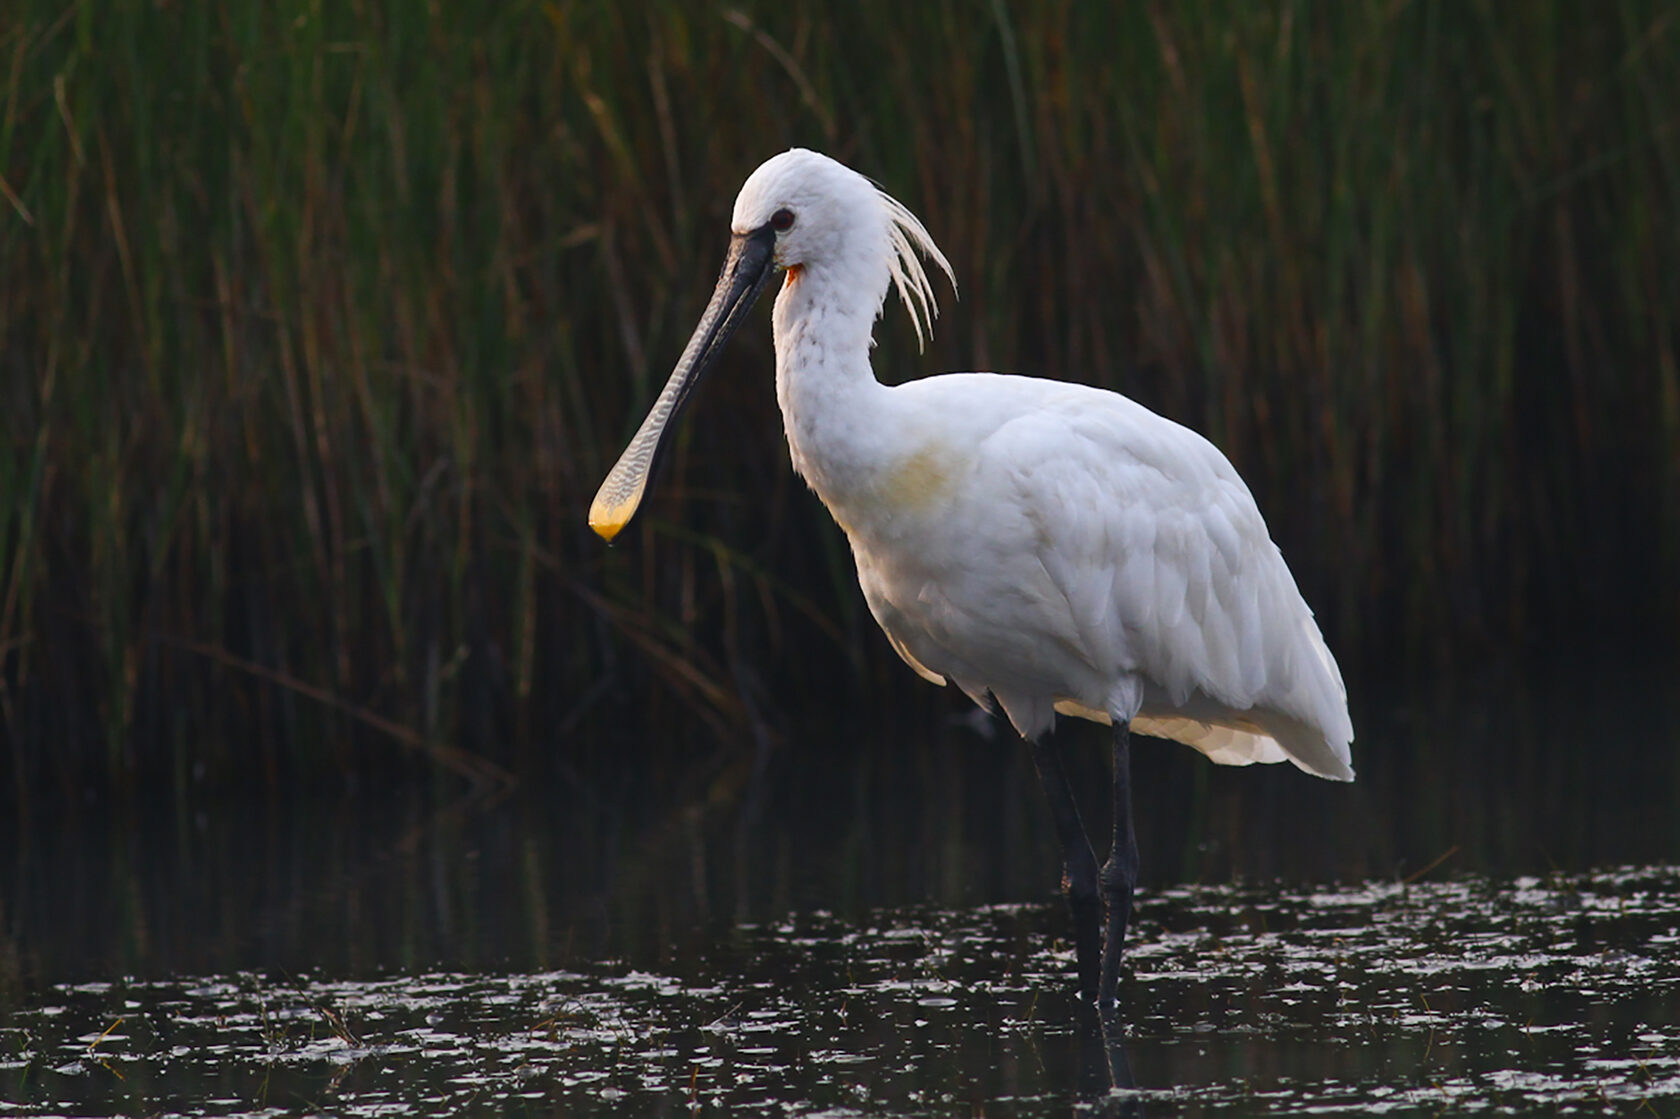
<point>1050,546</point>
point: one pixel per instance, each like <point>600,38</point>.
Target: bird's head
<point>813,209</point>
<point>799,210</point>
<point>816,212</point>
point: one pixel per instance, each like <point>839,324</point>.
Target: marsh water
<point>847,923</point>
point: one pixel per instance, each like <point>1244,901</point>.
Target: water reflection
<point>653,863</point>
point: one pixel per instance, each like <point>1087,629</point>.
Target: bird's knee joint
<point>1080,888</point>
<point>1119,875</point>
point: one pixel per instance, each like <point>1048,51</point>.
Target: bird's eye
<point>782,220</point>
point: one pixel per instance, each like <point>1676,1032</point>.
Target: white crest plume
<point>909,238</point>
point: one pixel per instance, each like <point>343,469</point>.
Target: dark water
<point>1559,995</point>
<point>853,924</point>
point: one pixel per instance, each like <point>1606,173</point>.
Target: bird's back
<point>1088,556</point>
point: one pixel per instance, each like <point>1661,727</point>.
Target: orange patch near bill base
<point>792,275</point>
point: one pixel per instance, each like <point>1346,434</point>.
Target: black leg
<point>1079,865</point>
<point>1119,874</point>
<point>1103,1065</point>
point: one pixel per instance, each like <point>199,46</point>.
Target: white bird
<point>1054,546</point>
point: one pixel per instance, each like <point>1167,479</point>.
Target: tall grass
<point>320,322</point>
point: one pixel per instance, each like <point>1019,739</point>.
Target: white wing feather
<point>1137,573</point>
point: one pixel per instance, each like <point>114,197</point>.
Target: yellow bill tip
<point>607,526</point>
<point>608,518</point>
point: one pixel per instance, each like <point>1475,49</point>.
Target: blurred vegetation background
<point>320,322</point>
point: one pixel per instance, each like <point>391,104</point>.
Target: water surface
<point>1558,995</point>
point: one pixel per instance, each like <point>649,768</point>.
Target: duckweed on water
<point>1472,995</point>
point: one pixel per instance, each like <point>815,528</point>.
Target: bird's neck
<point>833,408</point>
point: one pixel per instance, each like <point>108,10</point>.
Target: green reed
<point>320,322</point>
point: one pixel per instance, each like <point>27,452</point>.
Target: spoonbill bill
<point>1050,546</point>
